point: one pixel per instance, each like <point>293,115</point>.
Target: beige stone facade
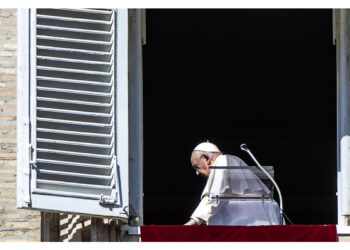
<point>15,224</point>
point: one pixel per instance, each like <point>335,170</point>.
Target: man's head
<point>203,156</point>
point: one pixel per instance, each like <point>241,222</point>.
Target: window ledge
<point>343,230</point>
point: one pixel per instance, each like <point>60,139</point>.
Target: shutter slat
<point>58,125</point>
<point>73,187</point>
<point>69,60</point>
<point>75,177</point>
<point>73,91</point>
<point>59,81</point>
<point>74,147</point>
<point>92,35</point>
<point>75,125</point>
<point>74,40</point>
<point>74,136</point>
<point>73,105</point>
<point>78,154</point>
<point>72,115</point>
<point>94,145</point>
<point>74,74</point>
<point>100,177</point>
<point>77,65</point>
<point>75,43</point>
<point>74,167</point>
<point>81,104</point>
<point>78,13</point>
<point>93,46</point>
<point>76,113</point>
<point>81,24</point>
<point>72,102</point>
<point>107,12</point>
<point>78,95</point>
<point>97,33</point>
<point>74,20</point>
<point>67,70</point>
<point>74,53</point>
<point>73,157</point>
<point>66,194</point>
<point>72,133</point>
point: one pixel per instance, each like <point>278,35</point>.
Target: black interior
<point>262,77</point>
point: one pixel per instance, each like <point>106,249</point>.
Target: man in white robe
<point>237,183</point>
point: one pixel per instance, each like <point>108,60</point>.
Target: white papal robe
<point>241,182</point>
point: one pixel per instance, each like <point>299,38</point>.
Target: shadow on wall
<point>77,228</point>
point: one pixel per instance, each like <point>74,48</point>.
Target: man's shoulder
<point>235,160</point>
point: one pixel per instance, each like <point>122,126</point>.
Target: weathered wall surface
<point>15,224</point>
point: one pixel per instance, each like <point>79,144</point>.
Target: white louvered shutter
<point>73,134</point>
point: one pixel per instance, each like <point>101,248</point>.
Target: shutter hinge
<point>28,172</point>
<point>109,200</point>
<point>113,198</point>
<point>32,162</point>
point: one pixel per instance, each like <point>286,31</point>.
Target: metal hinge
<point>28,173</point>
<point>109,200</point>
<point>32,162</point>
<point>113,198</point>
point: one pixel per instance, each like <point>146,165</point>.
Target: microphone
<point>244,147</point>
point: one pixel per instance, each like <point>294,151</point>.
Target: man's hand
<point>191,222</point>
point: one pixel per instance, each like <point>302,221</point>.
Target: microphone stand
<point>244,147</point>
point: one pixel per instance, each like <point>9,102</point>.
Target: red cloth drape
<point>281,233</point>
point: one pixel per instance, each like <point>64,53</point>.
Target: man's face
<point>200,165</point>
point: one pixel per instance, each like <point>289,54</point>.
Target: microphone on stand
<point>244,147</point>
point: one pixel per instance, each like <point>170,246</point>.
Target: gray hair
<point>199,153</point>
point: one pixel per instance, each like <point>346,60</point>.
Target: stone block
<point>11,46</point>
<point>8,179</point>
<point>11,208</point>
<point>8,71</point>
<point>4,13</point>
<point>10,22</point>
<point>7,185</point>
<point>7,117</point>
<point>8,163</point>
<point>7,129</point>
<point>10,88</point>
<point>10,216</point>
<point>4,234</point>
<point>22,225</point>
<point>7,156</point>
<point>8,193</point>
<point>8,148</point>
<point>32,216</point>
<point>6,54</point>
<point>9,109</point>
<point>8,62</point>
<point>8,93</point>
<point>7,171</point>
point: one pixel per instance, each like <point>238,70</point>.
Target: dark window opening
<point>263,77</point>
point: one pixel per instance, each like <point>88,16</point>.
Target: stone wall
<point>15,224</point>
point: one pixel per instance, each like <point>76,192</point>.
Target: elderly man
<point>229,212</point>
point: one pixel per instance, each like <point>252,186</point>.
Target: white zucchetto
<point>207,147</point>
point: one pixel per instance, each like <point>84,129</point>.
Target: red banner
<point>276,233</point>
